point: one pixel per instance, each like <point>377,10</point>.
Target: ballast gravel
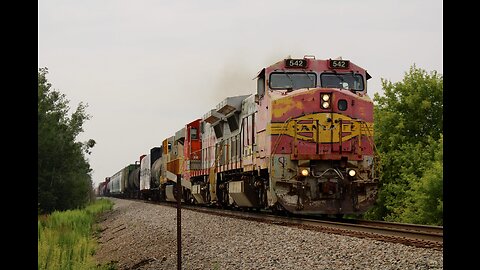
<point>138,235</point>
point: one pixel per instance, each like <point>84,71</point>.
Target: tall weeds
<point>65,239</point>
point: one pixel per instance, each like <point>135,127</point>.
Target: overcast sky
<point>146,68</point>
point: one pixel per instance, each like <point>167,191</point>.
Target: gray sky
<point>146,68</point>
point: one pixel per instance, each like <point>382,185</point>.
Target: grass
<point>65,239</point>
<point>216,266</point>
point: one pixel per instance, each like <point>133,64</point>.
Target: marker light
<point>305,172</point>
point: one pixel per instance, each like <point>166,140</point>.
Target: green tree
<point>64,180</point>
<point>424,200</point>
<point>410,111</point>
<point>408,136</point>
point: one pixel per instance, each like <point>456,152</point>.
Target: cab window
<point>193,134</point>
<point>348,81</point>
<point>292,80</point>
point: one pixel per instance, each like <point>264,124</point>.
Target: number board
<point>339,63</point>
<point>296,63</point>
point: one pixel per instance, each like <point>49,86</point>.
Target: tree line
<point>408,138</point>
<point>409,141</point>
<point>64,179</point>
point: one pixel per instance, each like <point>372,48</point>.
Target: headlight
<point>325,101</point>
<point>305,172</point>
<point>351,172</point>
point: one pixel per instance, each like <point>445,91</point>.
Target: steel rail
<point>409,234</point>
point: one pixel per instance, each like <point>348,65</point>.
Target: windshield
<point>342,80</point>
<point>292,80</point>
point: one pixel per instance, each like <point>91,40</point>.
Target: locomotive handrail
<point>289,181</point>
<point>369,136</point>
<point>196,151</point>
<point>333,169</point>
<point>285,124</point>
<point>212,174</point>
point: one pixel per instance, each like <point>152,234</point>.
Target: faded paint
<point>145,173</point>
<point>310,127</point>
<point>285,106</point>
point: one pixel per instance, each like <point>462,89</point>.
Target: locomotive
<point>303,143</point>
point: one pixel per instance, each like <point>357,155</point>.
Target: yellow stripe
<point>306,127</point>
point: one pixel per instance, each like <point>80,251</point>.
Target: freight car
<point>123,183</point>
<point>303,143</point>
<point>102,188</point>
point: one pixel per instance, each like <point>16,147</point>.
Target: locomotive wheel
<point>278,209</point>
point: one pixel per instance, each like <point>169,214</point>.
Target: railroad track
<point>424,232</point>
<point>408,234</point>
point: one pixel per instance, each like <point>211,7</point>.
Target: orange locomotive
<point>303,143</point>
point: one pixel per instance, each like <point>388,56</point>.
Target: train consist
<point>303,143</point>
